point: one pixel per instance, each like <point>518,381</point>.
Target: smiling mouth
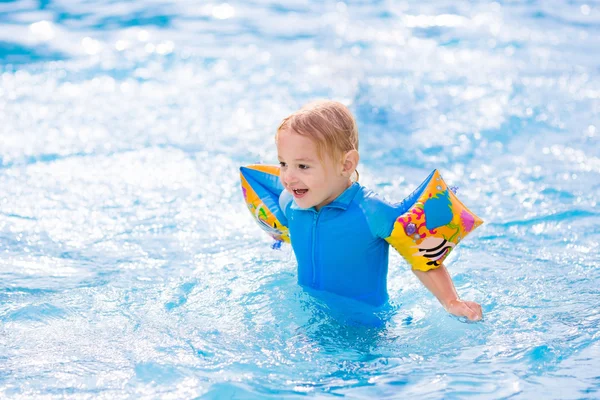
<point>299,192</point>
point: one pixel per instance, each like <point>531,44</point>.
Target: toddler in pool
<point>337,226</point>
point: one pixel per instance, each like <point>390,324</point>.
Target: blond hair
<point>330,124</point>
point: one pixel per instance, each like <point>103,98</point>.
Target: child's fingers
<point>475,311</point>
<point>472,315</point>
<point>476,307</point>
<point>469,309</point>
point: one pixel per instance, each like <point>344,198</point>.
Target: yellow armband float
<point>435,223</point>
<point>261,188</point>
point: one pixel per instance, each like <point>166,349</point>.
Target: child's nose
<point>288,177</point>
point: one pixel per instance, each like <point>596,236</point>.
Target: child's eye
<point>282,164</point>
<point>303,166</point>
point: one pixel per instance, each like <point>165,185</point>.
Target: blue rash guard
<point>341,248</point>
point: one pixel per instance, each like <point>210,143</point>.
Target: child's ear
<point>350,162</point>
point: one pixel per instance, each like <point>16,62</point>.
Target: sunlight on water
<point>131,268</point>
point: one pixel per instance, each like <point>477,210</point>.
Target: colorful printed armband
<point>433,225</point>
<point>261,188</point>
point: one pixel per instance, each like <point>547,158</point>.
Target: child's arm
<point>439,283</point>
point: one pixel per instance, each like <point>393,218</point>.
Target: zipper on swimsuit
<point>314,241</point>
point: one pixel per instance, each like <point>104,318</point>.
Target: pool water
<point>130,267</point>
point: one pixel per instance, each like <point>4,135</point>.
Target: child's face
<point>313,182</point>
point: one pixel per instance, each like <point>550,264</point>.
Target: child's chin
<point>304,203</point>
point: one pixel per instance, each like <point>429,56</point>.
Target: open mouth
<point>299,192</point>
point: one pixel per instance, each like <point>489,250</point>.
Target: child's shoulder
<point>380,213</point>
<point>371,199</point>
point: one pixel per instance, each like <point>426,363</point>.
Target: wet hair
<point>329,124</point>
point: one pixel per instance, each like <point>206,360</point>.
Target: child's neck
<point>335,194</point>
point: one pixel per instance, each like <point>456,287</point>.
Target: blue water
<point>130,267</point>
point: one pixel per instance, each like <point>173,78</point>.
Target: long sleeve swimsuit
<point>341,248</point>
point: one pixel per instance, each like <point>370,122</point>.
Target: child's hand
<point>468,309</point>
<point>439,283</point>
